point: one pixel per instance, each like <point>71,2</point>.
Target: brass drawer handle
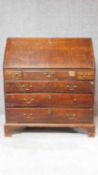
<point>26,86</point>
<point>71,87</point>
<point>17,74</point>
<point>27,89</point>
<point>28,116</point>
<point>28,101</point>
<point>49,74</point>
<point>68,86</point>
<point>22,85</point>
<point>70,116</point>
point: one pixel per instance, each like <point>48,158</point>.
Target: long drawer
<point>49,100</point>
<point>48,115</point>
<point>68,74</point>
<point>47,86</point>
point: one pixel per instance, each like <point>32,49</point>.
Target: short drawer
<point>50,115</point>
<point>47,86</point>
<point>85,75</point>
<point>49,100</point>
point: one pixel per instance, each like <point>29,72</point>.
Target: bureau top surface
<point>49,53</point>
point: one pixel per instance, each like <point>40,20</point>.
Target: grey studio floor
<point>48,152</point>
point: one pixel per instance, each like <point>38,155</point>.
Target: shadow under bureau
<point>49,83</point>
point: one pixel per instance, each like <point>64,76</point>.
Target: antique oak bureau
<point>49,83</point>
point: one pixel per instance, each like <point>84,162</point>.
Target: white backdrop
<point>40,152</point>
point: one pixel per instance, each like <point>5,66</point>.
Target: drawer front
<point>44,115</point>
<point>77,87</point>
<point>49,100</point>
<point>49,75</point>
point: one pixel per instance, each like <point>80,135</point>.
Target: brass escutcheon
<point>74,100</point>
<point>49,111</point>
<point>49,97</point>
<point>72,73</point>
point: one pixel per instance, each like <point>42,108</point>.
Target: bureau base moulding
<point>88,128</point>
